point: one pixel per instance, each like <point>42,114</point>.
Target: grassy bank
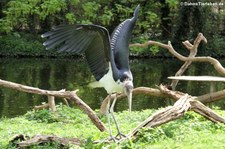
<point>191,131</point>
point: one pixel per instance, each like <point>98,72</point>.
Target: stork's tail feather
<point>95,84</point>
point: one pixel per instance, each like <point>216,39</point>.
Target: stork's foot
<point>112,138</point>
<point>120,136</point>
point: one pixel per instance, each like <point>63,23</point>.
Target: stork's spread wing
<point>93,40</point>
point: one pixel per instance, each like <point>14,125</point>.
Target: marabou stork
<point>108,58</point>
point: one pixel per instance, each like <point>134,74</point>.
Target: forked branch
<point>219,68</point>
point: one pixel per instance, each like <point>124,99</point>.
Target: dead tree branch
<point>191,58</point>
<point>217,65</point>
<point>183,104</point>
<point>210,97</point>
<point>193,51</point>
<point>165,115</point>
<point>62,94</point>
<point>136,91</point>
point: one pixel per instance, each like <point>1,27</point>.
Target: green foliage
<point>173,3</point>
<point>64,114</point>
<point>164,20</point>
<point>190,131</point>
<point>208,20</point>
<point>20,44</point>
<point>33,14</point>
<point>107,16</point>
<point>45,116</point>
<point>90,10</point>
<point>27,12</point>
<point>151,135</point>
<point>140,51</point>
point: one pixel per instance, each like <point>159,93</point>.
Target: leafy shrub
<point>63,114</point>
<point>151,135</point>
<point>42,116</point>
<point>19,44</point>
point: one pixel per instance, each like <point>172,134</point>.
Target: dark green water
<point>70,74</point>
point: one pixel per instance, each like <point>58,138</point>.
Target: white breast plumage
<point>108,83</point>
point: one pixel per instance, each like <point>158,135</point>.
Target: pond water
<point>71,74</point>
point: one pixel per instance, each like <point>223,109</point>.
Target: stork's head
<point>128,88</point>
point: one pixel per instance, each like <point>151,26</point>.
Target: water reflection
<point>71,74</point>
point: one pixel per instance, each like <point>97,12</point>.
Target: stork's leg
<point>112,113</point>
<point>108,118</point>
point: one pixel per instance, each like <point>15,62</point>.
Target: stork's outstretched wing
<point>92,40</point>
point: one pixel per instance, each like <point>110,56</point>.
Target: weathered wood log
<point>40,139</point>
<point>196,106</point>
<point>62,94</point>
<point>51,102</point>
<point>211,97</point>
<point>183,104</point>
<point>165,115</point>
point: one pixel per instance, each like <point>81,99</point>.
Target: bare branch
<point>51,103</point>
<point>193,51</point>
<point>187,44</point>
<point>218,67</point>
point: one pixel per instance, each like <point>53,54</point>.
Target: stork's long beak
<point>128,88</point>
<point>129,96</point>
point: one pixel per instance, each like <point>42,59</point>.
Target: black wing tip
<point>45,35</point>
<point>136,11</point>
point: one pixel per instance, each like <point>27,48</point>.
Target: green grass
<point>191,131</point>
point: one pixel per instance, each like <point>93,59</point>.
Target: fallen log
<point>41,139</point>
<point>183,104</point>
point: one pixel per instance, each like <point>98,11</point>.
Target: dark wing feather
<point>93,40</point>
<point>120,41</point>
